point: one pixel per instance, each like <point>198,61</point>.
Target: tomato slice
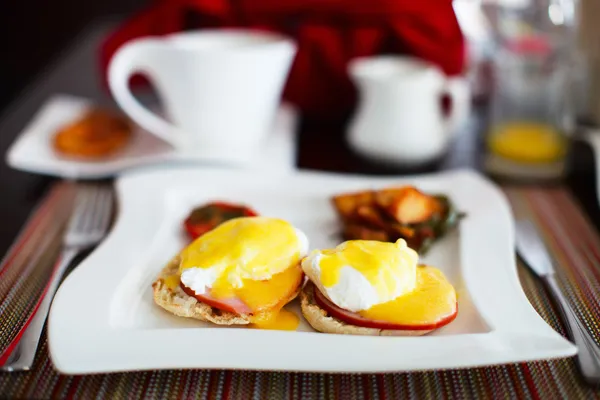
<point>197,230</point>
<point>358,320</point>
<point>205,218</point>
<point>231,304</point>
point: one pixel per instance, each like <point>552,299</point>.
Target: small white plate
<point>32,150</point>
<point>103,318</point>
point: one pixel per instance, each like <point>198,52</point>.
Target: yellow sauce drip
<point>172,281</point>
<point>527,141</point>
<point>283,320</point>
<point>433,299</point>
<point>385,265</point>
<point>262,295</point>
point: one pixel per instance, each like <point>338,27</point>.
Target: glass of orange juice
<point>531,114</point>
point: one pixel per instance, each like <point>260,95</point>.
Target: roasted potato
<point>385,197</point>
<point>347,204</point>
<point>401,231</point>
<point>361,232</point>
<point>371,216</point>
<point>412,207</point>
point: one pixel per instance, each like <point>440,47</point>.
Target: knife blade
<point>532,250</point>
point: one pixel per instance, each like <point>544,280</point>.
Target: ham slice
<point>231,304</point>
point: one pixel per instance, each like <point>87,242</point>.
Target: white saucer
<point>32,150</point>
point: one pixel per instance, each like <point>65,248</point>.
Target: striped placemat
<point>26,268</point>
<point>573,241</point>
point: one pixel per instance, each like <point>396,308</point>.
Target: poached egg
<point>359,274</point>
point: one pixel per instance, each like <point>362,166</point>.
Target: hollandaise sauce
<point>172,281</point>
<point>390,268</point>
<point>434,298</point>
<point>260,295</point>
<point>283,320</point>
<point>253,247</point>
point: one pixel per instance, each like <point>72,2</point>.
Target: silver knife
<point>532,250</point>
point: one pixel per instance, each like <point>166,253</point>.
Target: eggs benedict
<point>240,273</point>
<point>367,287</point>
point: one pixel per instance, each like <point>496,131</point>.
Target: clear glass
<point>532,110</point>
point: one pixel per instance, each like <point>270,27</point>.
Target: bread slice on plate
<point>320,320</point>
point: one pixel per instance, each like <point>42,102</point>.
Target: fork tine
<point>104,207</point>
<point>80,208</point>
<point>90,200</point>
<point>99,203</point>
<point>96,213</point>
<point>110,204</point>
<point>91,210</point>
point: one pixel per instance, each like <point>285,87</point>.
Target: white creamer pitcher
<point>400,117</point>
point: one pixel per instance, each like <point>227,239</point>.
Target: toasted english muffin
<point>320,320</point>
<point>177,302</point>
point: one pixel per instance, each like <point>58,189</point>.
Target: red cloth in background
<point>329,33</point>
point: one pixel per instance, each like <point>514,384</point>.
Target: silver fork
<point>87,226</point>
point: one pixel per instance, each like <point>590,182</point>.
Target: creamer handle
<point>460,98</point>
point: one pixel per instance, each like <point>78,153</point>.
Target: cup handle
<point>460,102</point>
<point>131,58</point>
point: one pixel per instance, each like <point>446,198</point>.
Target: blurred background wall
<point>33,32</point>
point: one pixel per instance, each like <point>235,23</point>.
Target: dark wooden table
<point>321,144</point>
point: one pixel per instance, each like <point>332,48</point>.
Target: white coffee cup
<point>400,118</point>
<point>220,88</point>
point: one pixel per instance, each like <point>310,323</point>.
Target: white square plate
<point>103,317</point>
<point>32,150</point>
